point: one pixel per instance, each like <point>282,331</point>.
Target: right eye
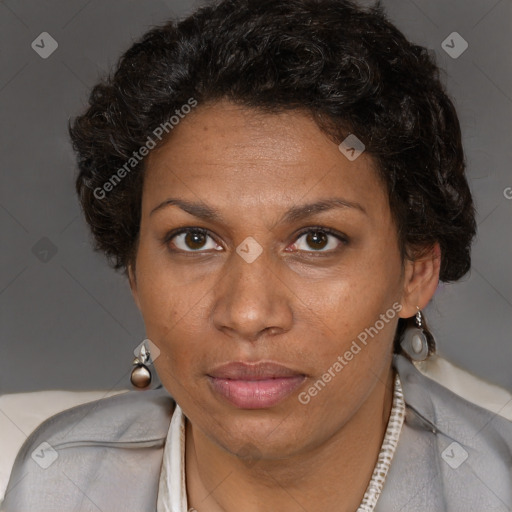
<point>190,239</point>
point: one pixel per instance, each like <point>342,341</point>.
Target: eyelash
<point>169,236</point>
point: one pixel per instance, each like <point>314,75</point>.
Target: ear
<point>420,281</point>
<point>132,278</point>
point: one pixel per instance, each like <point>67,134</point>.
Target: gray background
<point>68,320</point>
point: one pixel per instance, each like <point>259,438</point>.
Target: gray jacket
<point>105,456</point>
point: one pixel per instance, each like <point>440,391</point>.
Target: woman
<point>283,184</point>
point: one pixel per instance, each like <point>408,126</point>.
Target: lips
<point>254,385</point>
<point>252,371</point>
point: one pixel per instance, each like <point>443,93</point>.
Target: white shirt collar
<point>172,490</point>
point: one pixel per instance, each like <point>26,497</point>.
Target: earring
<point>141,375</point>
<point>415,343</point>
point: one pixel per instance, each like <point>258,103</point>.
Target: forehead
<point>250,158</point>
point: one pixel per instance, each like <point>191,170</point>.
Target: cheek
<point>356,317</point>
<point>354,299</point>
<point>171,318</point>
<point>353,342</point>
<point>166,299</point>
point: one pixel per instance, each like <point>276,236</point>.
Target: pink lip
<point>256,385</point>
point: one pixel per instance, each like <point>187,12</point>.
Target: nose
<point>252,300</point>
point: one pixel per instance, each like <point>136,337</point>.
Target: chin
<point>260,436</point>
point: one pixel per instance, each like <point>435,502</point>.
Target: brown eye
<point>316,239</point>
<point>194,239</point>
<point>319,240</point>
<point>191,240</point>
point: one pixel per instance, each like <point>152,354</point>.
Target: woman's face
<point>264,279</point>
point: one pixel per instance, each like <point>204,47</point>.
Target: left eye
<point>318,239</point>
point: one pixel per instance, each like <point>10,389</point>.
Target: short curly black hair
<point>345,65</point>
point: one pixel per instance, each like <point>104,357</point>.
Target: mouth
<point>254,385</point>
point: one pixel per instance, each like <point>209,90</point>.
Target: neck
<point>333,476</point>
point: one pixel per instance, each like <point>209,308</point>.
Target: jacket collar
<point>417,394</point>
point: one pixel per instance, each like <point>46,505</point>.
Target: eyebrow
<point>206,212</point>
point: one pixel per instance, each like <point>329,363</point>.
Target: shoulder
<point>127,418</point>
<point>116,441</point>
<point>447,412</point>
<point>457,455</point>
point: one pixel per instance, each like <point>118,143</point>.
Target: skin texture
<point>300,303</point>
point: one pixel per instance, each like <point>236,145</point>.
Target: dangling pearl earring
<point>141,375</point>
<point>415,343</point>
